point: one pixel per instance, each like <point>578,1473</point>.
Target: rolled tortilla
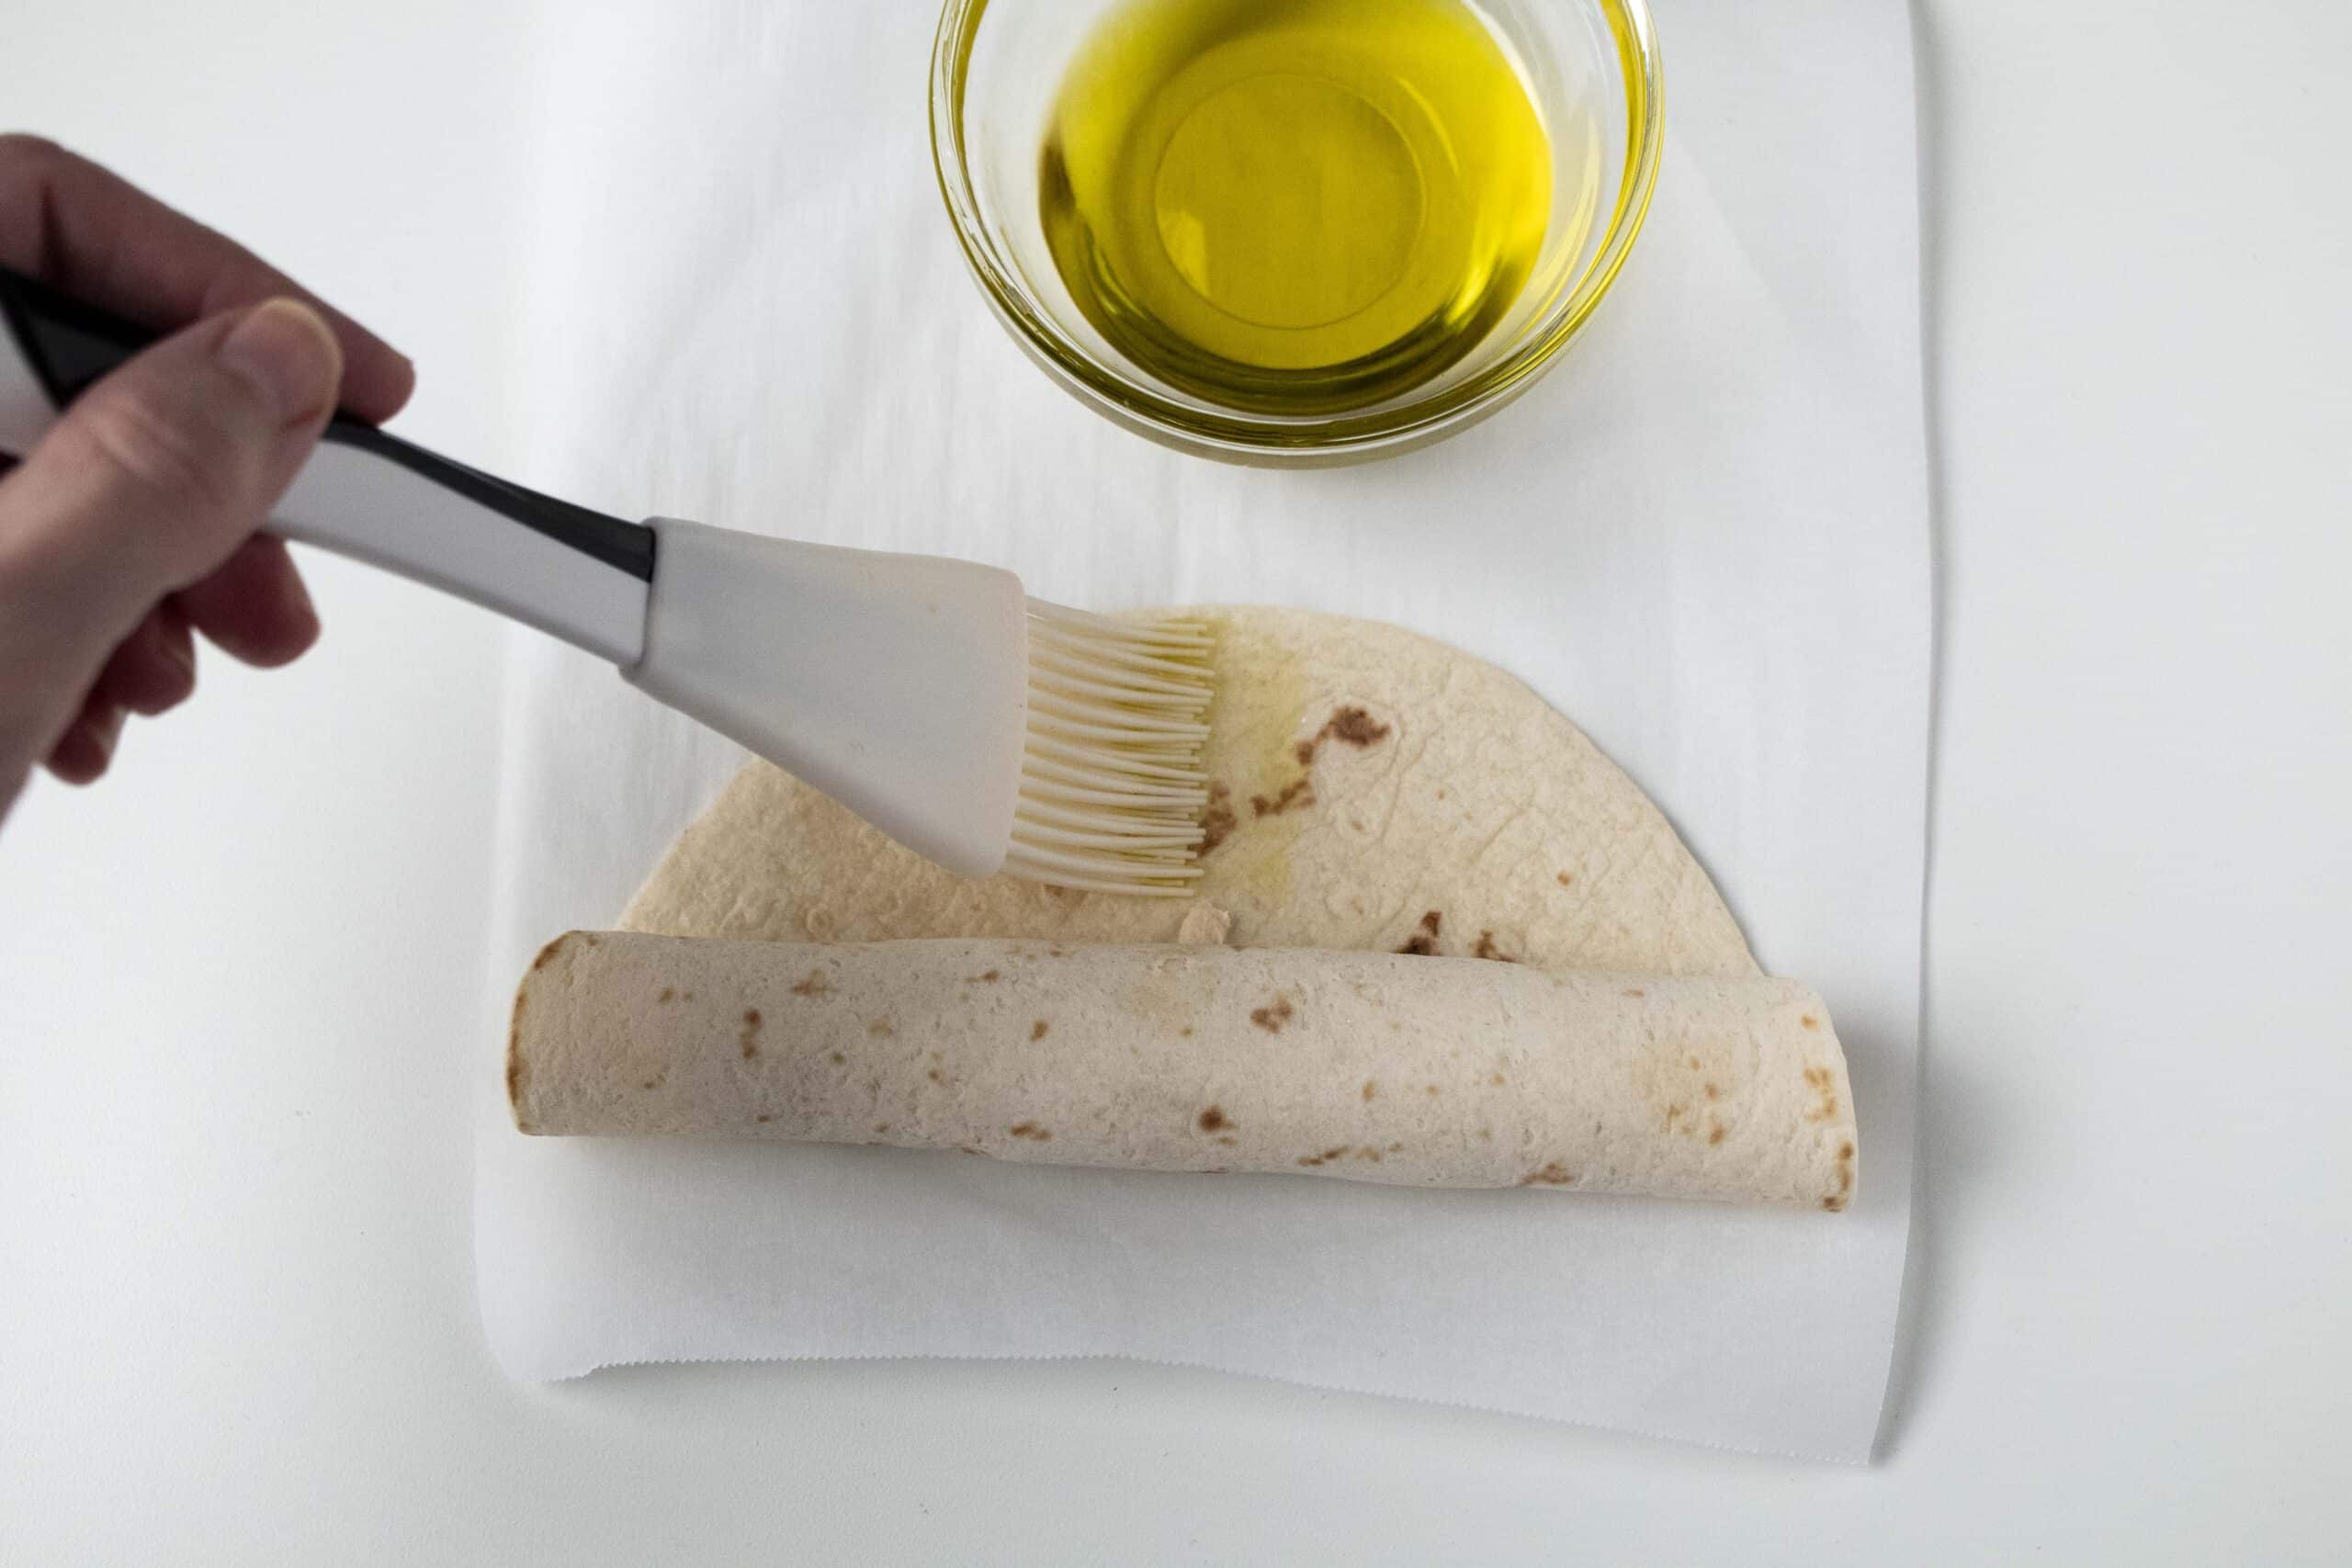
<point>1402,1069</point>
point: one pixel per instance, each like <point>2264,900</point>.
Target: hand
<point>133,522</point>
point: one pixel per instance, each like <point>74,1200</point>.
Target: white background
<point>236,1314</point>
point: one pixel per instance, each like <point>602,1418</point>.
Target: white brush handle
<point>572,572</point>
<point>897,685</point>
<point>362,504</point>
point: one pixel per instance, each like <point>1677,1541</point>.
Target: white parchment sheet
<point>1704,538</point>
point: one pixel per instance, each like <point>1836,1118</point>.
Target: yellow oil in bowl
<point>1295,206</point>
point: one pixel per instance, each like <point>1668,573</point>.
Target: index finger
<point>83,228</point>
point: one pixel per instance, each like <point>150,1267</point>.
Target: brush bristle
<point>1112,788</point>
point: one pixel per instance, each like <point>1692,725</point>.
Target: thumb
<point>152,480</point>
<point>158,472</point>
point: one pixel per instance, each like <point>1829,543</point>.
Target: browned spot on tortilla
<point>1370,1089</point>
<point>968,1149</point>
<point>1218,820</point>
<point>813,984</point>
<point>1440,793</point>
<point>1423,942</point>
<point>1672,1112</point>
<point>1335,1152</point>
<point>1824,1084</point>
<point>1214,1119</point>
<point>1355,727</point>
<point>1565,880</point>
<point>1846,1151</point>
<point>1432,1090</point>
<point>1394,1147</point>
<point>1634,991</point>
<point>1809,1021</point>
<point>1553,1174</point>
<point>880,1028</point>
<point>985,977</point>
<point>1368,1152</point>
<point>1694,1061</point>
<point>1348,723</point>
<point>837,1059</point>
<point>1496,1080</point>
<point>1486,949</point>
<point>1228,1138</point>
<point>685,995</point>
<point>881,1126</point>
<point>1485,1134</point>
<point>1310,1159</point>
<point>1714,1130</point>
<point>1031,1131</point>
<point>1186,1031</point>
<point>1833,1204</point>
<point>667,993</point>
<point>1711,1091</point>
<point>1058,951</point>
<point>1272,1016</point>
<point>1300,791</point>
<point>932,1074</point>
<point>591,939</point>
<point>749,1036</point>
<point>547,954</point>
<point>1037,1030</point>
<point>653,1082</point>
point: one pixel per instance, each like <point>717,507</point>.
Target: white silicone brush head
<point>1112,790</point>
<point>976,726</point>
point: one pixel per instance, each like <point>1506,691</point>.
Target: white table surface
<point>236,1309</point>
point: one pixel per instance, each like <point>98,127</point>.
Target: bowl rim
<point>1248,438</point>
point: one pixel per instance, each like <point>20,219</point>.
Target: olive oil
<point>1294,207</point>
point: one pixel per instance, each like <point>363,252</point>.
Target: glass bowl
<point>1589,65</point>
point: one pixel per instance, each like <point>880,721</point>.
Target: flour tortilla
<point>1437,789</point>
<point>1429,1072</point>
<point>1463,903</point>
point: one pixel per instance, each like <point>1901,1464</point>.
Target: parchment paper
<point>1704,537</point>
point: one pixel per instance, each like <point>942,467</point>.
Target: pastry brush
<point>982,728</point>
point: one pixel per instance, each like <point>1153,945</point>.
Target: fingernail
<point>289,358</point>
